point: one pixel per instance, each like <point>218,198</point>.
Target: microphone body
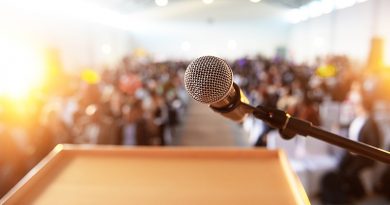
<point>231,106</point>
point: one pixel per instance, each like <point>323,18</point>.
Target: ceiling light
<point>315,9</point>
<point>161,2</point>
<point>342,4</point>
<point>294,16</point>
<point>208,1</point>
<point>327,6</point>
<point>255,1</point>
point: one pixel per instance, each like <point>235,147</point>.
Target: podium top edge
<point>166,151</point>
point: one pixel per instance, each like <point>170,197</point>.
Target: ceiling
<point>129,6</point>
<point>196,10</point>
<point>226,10</point>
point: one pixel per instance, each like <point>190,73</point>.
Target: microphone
<point>209,80</point>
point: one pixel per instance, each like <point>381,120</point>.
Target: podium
<point>80,174</point>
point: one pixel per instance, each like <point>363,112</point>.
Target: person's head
<point>367,104</point>
<point>364,105</point>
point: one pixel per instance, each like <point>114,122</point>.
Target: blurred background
<point>111,72</point>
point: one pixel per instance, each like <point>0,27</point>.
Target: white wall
<point>347,31</point>
<point>228,29</point>
<point>229,40</point>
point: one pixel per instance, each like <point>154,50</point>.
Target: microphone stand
<point>290,126</point>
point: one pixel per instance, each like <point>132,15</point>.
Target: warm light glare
<point>386,59</point>
<point>21,69</point>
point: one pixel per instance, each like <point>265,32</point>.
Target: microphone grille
<point>208,79</point>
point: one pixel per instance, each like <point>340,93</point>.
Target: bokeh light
<point>90,76</point>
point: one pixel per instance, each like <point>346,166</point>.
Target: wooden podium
<point>74,174</point>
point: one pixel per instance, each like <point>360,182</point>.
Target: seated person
<point>364,129</point>
<point>344,185</point>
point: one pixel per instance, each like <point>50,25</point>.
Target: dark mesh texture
<point>208,79</point>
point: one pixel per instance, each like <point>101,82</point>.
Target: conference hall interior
<point>109,76</point>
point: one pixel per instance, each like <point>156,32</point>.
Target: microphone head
<point>208,79</point>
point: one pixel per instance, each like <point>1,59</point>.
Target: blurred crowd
<point>301,89</point>
<point>143,102</point>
